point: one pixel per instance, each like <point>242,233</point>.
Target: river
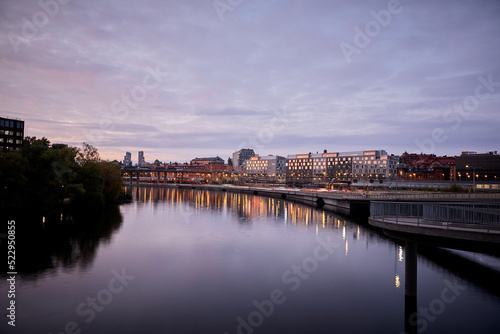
<point>196,261</point>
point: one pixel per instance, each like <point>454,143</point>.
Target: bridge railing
<point>450,215</point>
<point>431,196</point>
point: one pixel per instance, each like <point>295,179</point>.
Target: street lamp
<point>473,176</point>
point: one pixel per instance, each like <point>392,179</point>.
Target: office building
<point>482,166</point>
<point>340,167</point>
<point>374,165</point>
<point>11,134</point>
<point>239,157</point>
<point>270,168</point>
<point>141,159</point>
<point>127,159</point>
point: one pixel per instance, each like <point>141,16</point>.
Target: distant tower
<point>141,158</point>
<point>127,159</point>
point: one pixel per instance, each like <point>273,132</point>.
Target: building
<point>141,159</point>
<point>438,173</point>
<point>127,159</point>
<point>59,146</point>
<point>208,161</point>
<point>450,162</point>
<point>485,166</point>
<point>340,167</point>
<point>239,157</point>
<point>374,165</point>
<point>11,134</point>
<point>271,168</point>
<point>198,167</point>
<point>210,164</point>
<point>428,161</point>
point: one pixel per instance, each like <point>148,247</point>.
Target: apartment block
<point>11,134</point>
<point>269,168</point>
<point>331,167</point>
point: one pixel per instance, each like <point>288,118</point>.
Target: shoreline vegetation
<point>49,182</point>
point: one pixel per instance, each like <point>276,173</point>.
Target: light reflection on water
<point>210,262</point>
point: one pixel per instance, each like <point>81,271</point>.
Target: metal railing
<point>427,196</point>
<point>450,215</point>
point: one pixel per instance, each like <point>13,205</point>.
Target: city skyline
<point>179,80</point>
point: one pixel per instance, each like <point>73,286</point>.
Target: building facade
<point>481,167</point>
<point>208,161</point>
<point>439,173</point>
<point>374,165</point>
<point>11,134</point>
<point>211,164</point>
<point>239,157</point>
<point>422,162</point>
<point>271,168</point>
<point>340,167</point>
<point>127,159</point>
<point>140,159</point>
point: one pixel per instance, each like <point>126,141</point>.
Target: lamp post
<point>473,176</point>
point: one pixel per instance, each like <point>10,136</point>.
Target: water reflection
<point>203,260</point>
<point>246,207</point>
<point>48,247</point>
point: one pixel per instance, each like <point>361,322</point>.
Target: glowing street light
<point>474,176</point>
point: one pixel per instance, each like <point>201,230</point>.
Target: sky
<point>185,79</point>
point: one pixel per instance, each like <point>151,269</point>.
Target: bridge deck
<point>489,233</point>
<point>418,221</point>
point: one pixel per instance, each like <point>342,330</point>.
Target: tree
<point>113,180</point>
<point>101,180</point>
<point>40,177</point>
<point>89,154</point>
<point>12,182</point>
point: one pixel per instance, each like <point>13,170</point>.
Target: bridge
<point>178,176</point>
<point>465,221</point>
<point>470,226</point>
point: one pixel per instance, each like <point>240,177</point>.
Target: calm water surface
<point>193,261</point>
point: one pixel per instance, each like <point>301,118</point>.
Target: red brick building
<point>424,164</point>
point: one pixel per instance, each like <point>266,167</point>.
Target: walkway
<point>465,221</point>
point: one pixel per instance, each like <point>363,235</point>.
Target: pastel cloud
<point>222,82</point>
